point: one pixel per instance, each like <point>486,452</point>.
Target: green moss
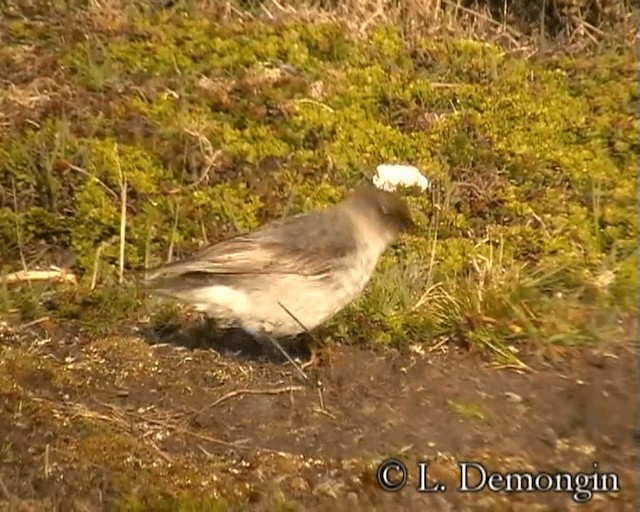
<point>96,311</point>
<point>27,369</point>
<point>197,45</point>
<point>185,503</point>
<point>220,127</point>
<point>469,411</point>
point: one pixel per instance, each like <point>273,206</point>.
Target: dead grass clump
<point>516,24</point>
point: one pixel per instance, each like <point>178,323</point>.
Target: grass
<point>162,131</point>
<point>467,411</point>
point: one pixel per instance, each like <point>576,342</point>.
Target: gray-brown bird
<point>297,270</point>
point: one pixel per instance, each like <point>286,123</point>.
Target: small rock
<point>513,397</point>
<point>549,436</point>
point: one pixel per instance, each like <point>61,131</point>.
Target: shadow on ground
<point>203,333</point>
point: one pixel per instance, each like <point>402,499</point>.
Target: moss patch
<point>217,128</point>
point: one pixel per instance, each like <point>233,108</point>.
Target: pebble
<point>513,397</point>
<point>549,436</point>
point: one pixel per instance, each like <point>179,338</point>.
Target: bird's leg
<point>314,356</point>
<point>276,344</point>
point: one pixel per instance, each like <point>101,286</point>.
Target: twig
<point>96,267</point>
<point>147,254</point>
<point>266,11</point>
<point>205,451</point>
<point>83,411</point>
<point>322,409</point>
<point>98,180</point>
<point>162,454</point>
<point>177,429</point>
<point>34,322</point>
<point>123,215</point>
<point>313,102</point>
<point>543,30</point>
<point>241,392</point>
<point>119,418</point>
<point>438,345</point>
<point>325,412</point>
<point>15,216</point>
<point>519,367</point>
<point>379,12</point>
<point>204,437</point>
<point>5,492</point>
<point>289,9</point>
<point>589,26</point>
<point>240,13</point>
<point>55,274</point>
<point>47,465</point>
<point>174,229</point>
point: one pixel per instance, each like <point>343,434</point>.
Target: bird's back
<point>308,263</point>
<point>307,244</point>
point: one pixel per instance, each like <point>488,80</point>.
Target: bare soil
<point>89,421</point>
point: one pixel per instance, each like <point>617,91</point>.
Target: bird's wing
<point>306,244</point>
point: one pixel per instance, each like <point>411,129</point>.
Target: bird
<point>292,274</point>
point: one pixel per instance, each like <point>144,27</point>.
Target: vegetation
<point>187,122</point>
<point>218,127</point>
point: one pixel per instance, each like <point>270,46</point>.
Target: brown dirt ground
<point>83,418</point>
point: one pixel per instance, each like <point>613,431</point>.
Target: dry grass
<point>521,25</point>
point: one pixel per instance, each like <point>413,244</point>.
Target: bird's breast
<point>356,276</point>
